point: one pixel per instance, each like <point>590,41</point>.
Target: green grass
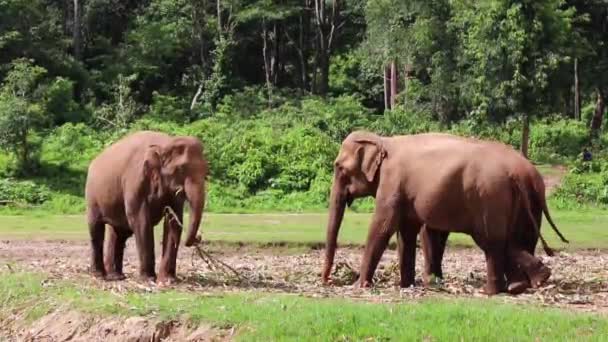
<point>263,317</point>
<point>584,228</point>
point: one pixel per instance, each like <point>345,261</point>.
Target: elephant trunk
<point>195,195</point>
<point>336,213</point>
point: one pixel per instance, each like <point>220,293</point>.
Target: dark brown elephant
<point>525,236</point>
<point>129,187</point>
<point>440,180</point>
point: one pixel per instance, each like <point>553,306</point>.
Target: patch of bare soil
<point>554,179</point>
<point>75,326</point>
<point>579,280</point>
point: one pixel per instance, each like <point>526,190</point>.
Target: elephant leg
<point>381,229</point>
<point>495,253</point>
<point>110,252</point>
<point>495,261</point>
<point>537,272</point>
<point>144,239</point>
<point>97,231</point>
<point>525,239</point>
<point>517,279</point>
<point>433,247</point>
<point>117,239</point>
<point>172,232</point>
<point>406,243</point>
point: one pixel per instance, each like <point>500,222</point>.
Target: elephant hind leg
<point>406,243</point>
<point>495,260</point>
<point>495,252</point>
<point>433,245</point>
<point>97,231</point>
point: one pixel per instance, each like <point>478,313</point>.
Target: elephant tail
<point>543,204</point>
<point>526,202</point>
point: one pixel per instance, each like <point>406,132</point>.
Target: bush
<point>23,192</point>
<point>562,136</point>
<point>73,146</point>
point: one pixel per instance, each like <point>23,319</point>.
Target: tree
<point>414,36</point>
<point>20,111</point>
<point>592,34</point>
<point>507,66</point>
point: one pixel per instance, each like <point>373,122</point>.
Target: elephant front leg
<point>381,229</point>
<point>172,231</point>
<point>144,239</point>
<point>96,230</point>
<point>433,247</point>
<point>115,249</point>
<point>526,263</point>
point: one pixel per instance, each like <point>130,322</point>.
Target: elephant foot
<point>429,280</point>
<point>166,280</point>
<point>518,287</point>
<point>493,288</point>
<point>147,278</point>
<point>99,274</point>
<point>364,284</point>
<point>115,276</point>
<point>540,277</point>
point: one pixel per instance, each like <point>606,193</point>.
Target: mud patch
<point>75,326</point>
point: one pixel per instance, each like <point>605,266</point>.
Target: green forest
<point>272,87</point>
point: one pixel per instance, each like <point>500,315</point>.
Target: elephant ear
<point>371,154</point>
<point>152,164</point>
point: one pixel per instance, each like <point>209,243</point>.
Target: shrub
<point>73,146</point>
<point>23,192</point>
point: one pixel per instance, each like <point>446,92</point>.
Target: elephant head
<point>356,173</point>
<point>184,170</point>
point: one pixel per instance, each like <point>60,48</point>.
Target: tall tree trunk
<point>327,24</point>
<point>386,75</point>
<point>77,43</point>
<point>407,75</point>
<point>219,19</point>
<point>525,135</point>
<point>274,60</point>
<point>577,92</point>
<point>323,86</point>
<point>394,84</point>
<point>77,32</point>
<point>598,113</point>
<point>267,62</point>
<point>303,29</point>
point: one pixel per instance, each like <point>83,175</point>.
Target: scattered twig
<point>212,262</point>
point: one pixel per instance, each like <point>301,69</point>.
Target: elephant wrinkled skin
<point>129,186</point>
<point>447,182</point>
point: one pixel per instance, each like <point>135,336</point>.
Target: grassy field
<point>585,228</point>
<point>264,317</point>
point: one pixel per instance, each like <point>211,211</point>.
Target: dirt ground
<point>579,281</point>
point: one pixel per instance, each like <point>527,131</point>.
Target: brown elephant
<point>129,187</point>
<point>525,236</point>
<point>436,179</point>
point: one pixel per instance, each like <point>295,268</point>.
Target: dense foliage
<point>272,87</point>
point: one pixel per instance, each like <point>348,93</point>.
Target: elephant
<point>130,186</point>
<point>434,241</point>
<point>450,183</point>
